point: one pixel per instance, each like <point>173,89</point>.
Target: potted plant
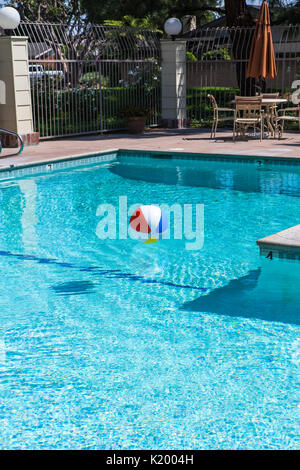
<point>136,117</point>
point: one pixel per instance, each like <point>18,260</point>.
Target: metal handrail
<point>7,131</point>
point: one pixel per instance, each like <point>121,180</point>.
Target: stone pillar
<point>173,83</point>
<point>15,99</point>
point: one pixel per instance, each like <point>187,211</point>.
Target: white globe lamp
<point>173,27</point>
<point>9,18</point>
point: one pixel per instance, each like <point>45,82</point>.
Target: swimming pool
<point>116,344</point>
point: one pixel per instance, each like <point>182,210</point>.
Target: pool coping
<point>176,154</point>
<point>65,158</point>
<point>216,156</point>
<point>278,245</point>
<point>284,244</point>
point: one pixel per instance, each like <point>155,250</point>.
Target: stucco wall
<point>15,102</point>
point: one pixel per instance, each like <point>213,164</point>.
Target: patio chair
<point>216,117</point>
<point>282,117</point>
<point>248,113</point>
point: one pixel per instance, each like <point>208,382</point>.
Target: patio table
<point>268,103</point>
<point>269,115</point>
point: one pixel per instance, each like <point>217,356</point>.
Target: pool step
<point>285,244</point>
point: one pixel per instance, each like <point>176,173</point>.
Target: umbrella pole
<point>263,84</point>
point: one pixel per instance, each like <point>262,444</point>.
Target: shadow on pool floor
<point>268,295</point>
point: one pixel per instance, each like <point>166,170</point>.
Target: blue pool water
<point>116,344</point>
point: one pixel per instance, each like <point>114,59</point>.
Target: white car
<point>37,72</point>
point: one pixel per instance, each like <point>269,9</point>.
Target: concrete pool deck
<point>285,244</point>
<point>175,140</point>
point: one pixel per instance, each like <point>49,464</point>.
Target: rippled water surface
<point>117,344</point>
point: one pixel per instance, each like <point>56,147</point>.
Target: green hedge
<point>199,109</point>
<point>79,109</point>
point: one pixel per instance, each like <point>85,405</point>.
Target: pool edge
<point>175,154</point>
<point>65,158</point>
<point>284,244</point>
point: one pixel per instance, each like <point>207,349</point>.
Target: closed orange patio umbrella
<point>262,58</point>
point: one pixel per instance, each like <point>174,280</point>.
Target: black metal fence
<point>217,60</point>
<point>81,78</point>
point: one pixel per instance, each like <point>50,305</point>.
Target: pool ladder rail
<point>7,131</point>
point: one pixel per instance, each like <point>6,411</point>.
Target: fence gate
<point>217,60</point>
<point>81,78</point>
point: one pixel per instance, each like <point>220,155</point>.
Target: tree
<point>156,10</point>
<point>235,11</point>
<point>52,11</point>
<point>72,40</point>
<point>237,15</point>
<point>285,12</point>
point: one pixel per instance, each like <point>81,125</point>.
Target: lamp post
<point>9,18</point>
<point>173,27</point>
<point>15,99</point>
<point>173,76</point>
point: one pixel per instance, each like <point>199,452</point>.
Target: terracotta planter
<point>136,125</point>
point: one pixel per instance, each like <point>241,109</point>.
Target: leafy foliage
<point>150,14</point>
<point>52,11</point>
<point>75,43</point>
<point>135,111</point>
<point>199,109</point>
<point>285,12</point>
<point>154,12</point>
<point>217,54</point>
<point>87,109</point>
<point>191,57</point>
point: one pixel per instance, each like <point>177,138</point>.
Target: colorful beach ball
<point>149,220</point>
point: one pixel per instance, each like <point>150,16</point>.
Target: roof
<point>221,21</point>
<point>38,49</point>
